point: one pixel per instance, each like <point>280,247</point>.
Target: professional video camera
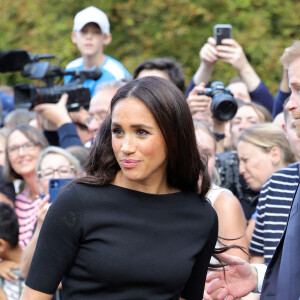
<point>223,105</point>
<point>29,95</point>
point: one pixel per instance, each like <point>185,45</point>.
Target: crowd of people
<point>160,188</point>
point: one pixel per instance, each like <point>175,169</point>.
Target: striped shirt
<point>273,209</point>
<point>13,290</point>
<point>26,210</point>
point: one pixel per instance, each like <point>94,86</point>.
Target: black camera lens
<point>223,105</point>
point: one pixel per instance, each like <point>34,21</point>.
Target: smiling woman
<point>138,225</point>
<point>53,162</point>
<point>24,144</point>
<point>139,147</point>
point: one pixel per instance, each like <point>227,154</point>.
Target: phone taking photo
<point>222,31</point>
<point>55,186</point>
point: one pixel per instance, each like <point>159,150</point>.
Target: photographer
<point>250,87</point>
<point>226,133</point>
<point>58,126</point>
<point>200,107</point>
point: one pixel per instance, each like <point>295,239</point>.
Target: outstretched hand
<point>232,53</point>
<point>208,53</point>
<point>239,280</point>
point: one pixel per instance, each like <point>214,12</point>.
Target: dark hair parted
<point>164,64</point>
<point>171,112</point>
<point>34,135</point>
<point>9,226</point>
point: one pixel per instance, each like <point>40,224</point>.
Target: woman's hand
<point>239,280</point>
<point>42,211</point>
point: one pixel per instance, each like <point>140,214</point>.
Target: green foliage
<point>147,29</point>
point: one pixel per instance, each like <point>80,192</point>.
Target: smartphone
<point>222,31</point>
<point>55,186</point>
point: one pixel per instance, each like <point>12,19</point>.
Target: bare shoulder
<point>227,200</point>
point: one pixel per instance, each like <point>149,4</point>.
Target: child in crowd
<point>10,252</point>
<point>91,32</point>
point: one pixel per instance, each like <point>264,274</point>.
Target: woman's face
<point>255,164</point>
<point>206,142</point>
<point>138,144</point>
<point>53,165</point>
<point>244,118</point>
<point>22,154</point>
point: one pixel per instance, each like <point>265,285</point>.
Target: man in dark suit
<point>280,280</point>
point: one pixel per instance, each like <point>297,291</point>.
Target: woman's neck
<point>145,186</point>
<point>32,185</point>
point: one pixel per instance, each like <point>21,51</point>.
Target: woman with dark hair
<point>137,226</point>
<point>23,146</point>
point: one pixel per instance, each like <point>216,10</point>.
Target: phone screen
<point>222,31</point>
<point>55,186</point>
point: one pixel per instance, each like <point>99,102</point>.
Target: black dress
<point>109,242</point>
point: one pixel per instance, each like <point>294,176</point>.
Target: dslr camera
<point>223,105</point>
<point>29,95</point>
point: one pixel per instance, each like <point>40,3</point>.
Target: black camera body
<point>227,165</point>
<point>29,95</point>
<point>223,105</point>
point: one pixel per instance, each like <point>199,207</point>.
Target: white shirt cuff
<point>261,270</point>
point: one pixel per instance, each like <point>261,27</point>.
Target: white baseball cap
<point>91,14</point>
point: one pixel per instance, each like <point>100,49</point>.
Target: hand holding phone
<point>222,31</point>
<point>55,186</point>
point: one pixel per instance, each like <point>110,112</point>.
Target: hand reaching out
<point>239,279</point>
<point>232,53</point>
<point>208,53</point>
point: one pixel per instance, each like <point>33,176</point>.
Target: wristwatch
<point>219,136</point>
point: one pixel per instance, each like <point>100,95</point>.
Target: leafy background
<point>144,29</point>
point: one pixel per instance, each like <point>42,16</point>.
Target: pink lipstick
<point>129,163</point>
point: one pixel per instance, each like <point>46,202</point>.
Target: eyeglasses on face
<point>98,118</point>
<point>14,150</point>
<point>62,172</point>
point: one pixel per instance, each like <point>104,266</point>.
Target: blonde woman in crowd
<point>262,149</point>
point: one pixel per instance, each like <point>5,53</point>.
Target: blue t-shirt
<point>111,70</point>
<point>7,103</point>
<point>254,216</point>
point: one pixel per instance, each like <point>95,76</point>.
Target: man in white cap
<point>91,32</point>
